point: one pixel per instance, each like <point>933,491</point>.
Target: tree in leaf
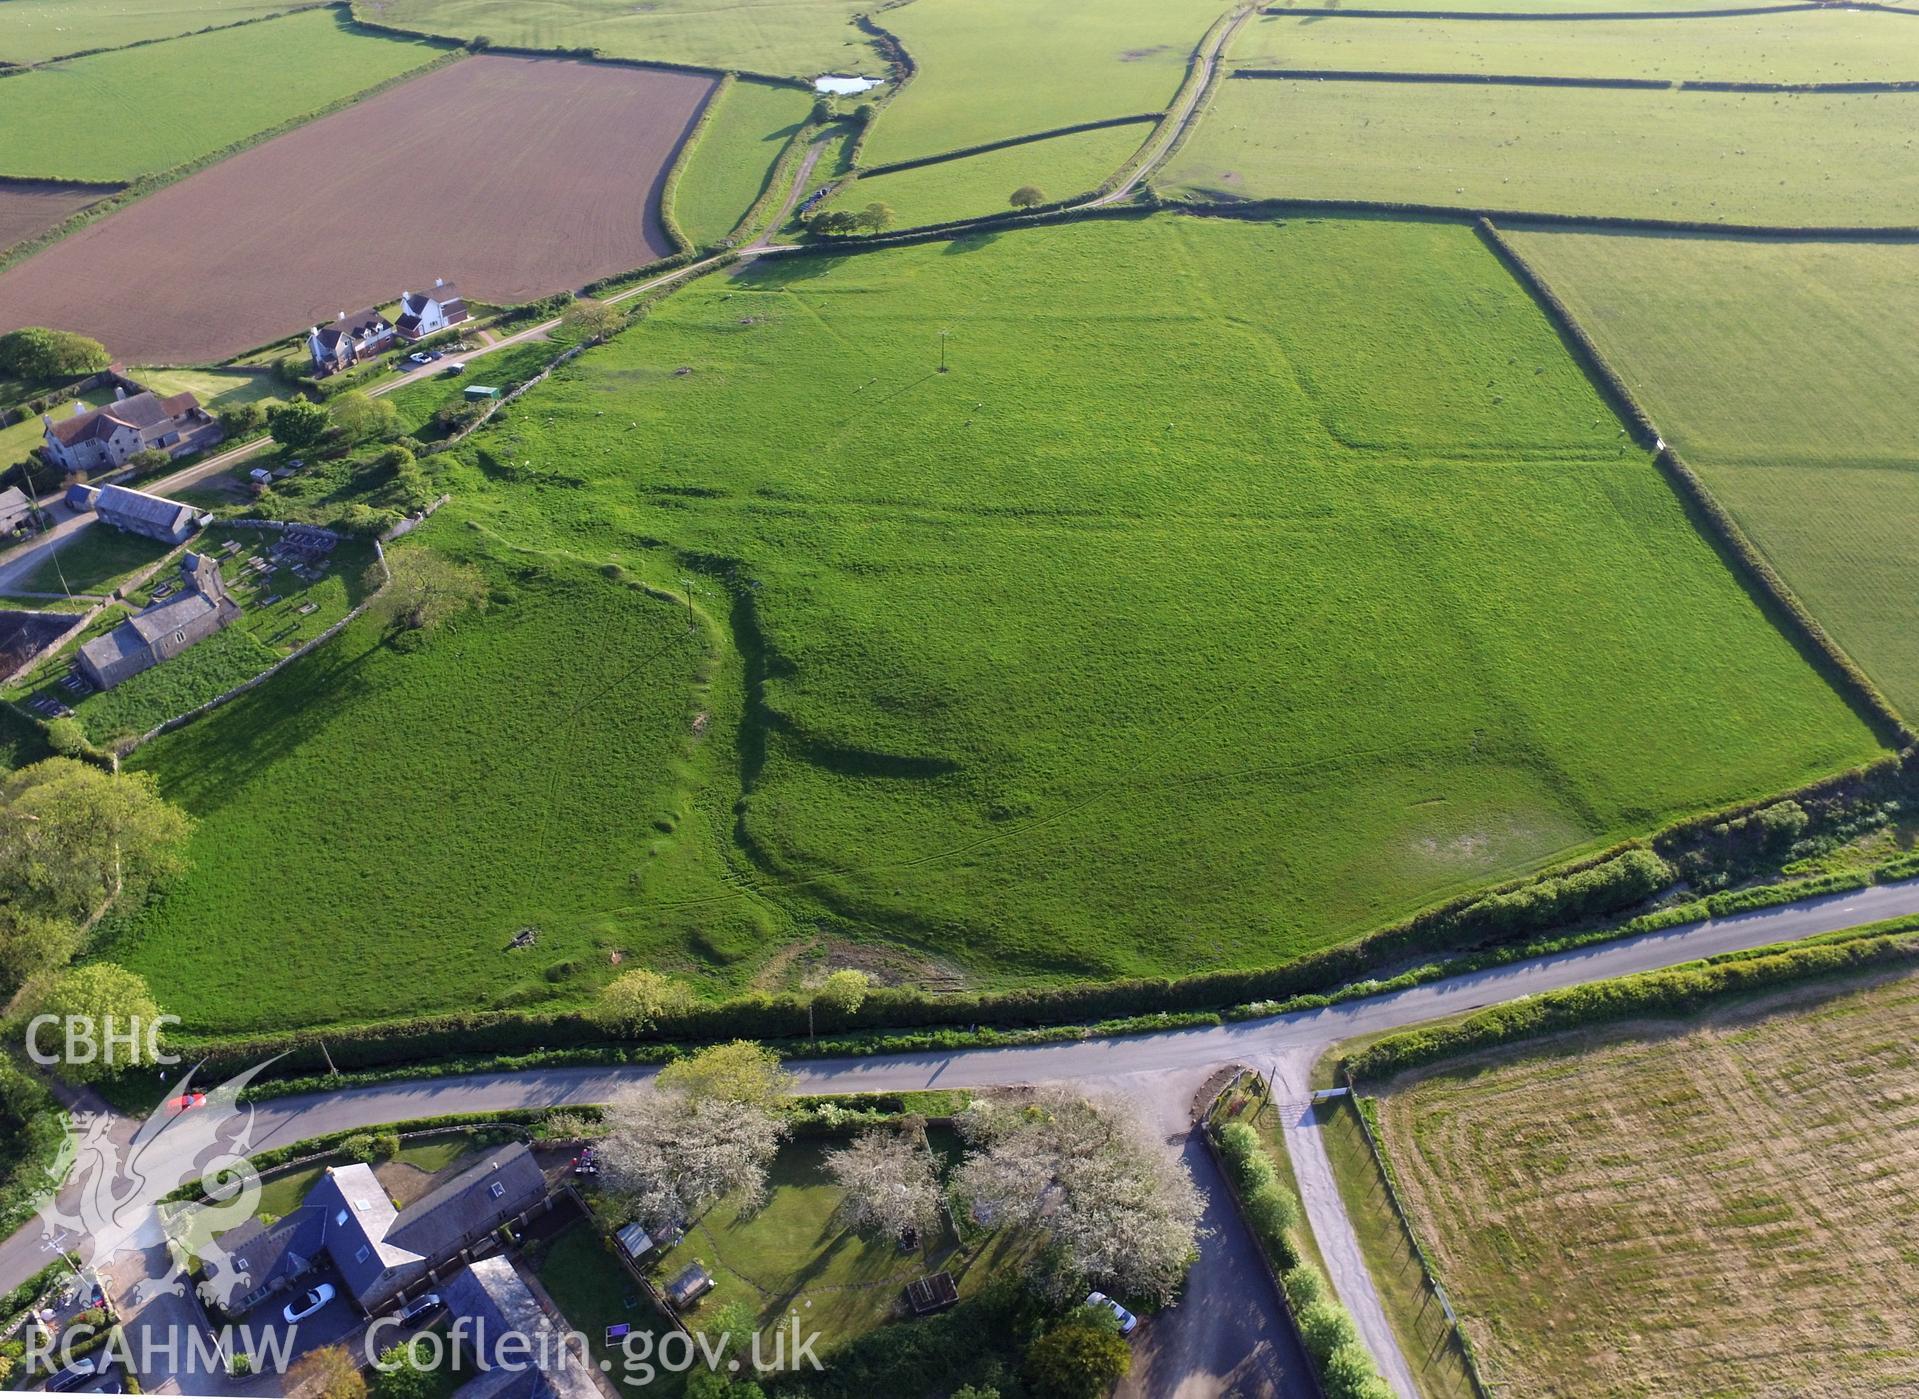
<point>741,1073</point>
<point>1027,197</point>
<point>361,418</point>
<point>426,589</point>
<point>33,944</point>
<point>36,353</point>
<point>326,1373</point>
<point>891,1182</point>
<point>297,425</point>
<point>405,1374</point>
<point>636,1001</point>
<point>595,322</point>
<point>73,836</point>
<point>111,999</point>
<point>1077,1360</point>
<point>876,217</point>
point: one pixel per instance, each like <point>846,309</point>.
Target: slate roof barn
<point>136,512</point>
<point>381,1251</point>
<point>494,1305</point>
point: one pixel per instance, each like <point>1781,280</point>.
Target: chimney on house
<point>119,392</point>
<point>342,315</point>
<point>47,418</point>
<point>439,281</point>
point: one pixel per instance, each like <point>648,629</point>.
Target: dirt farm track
<point>512,177</point>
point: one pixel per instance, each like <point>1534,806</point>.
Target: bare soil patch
<point>1725,1209</point>
<point>513,177</point>
<point>30,208</point>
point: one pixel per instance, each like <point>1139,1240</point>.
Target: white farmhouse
<point>424,313</point>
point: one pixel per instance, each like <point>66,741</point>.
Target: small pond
<point>843,86</point>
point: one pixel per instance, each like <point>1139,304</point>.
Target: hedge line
<point>1225,25</point>
<point>960,153</point>
<point>1373,75</point>
<point>785,173</point>
<point>1703,85</point>
<point>1682,991</point>
<point>904,67</point>
<point>1342,1367</point>
<point>683,157</point>
<point>1401,209</point>
<point>1838,667</point>
<point>891,1016</point>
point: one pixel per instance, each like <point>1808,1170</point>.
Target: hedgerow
<point>1681,991</point>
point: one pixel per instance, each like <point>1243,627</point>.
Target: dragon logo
<point>112,1201</point>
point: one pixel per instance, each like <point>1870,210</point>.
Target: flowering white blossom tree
<point>1121,1210</point>
<point>891,1183</point>
<point>667,1154</point>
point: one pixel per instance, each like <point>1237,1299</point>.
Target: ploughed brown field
<point>29,208</point>
<point>511,177</point>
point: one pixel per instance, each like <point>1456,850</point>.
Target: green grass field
<point>981,184</point>
<point>1057,664</point>
<point>539,805</point>
<point>1714,1207</point>
<point>116,116</point>
<point>1800,46</point>
<point>217,389</point>
<point>1737,158</point>
<point>794,38</point>
<point>32,31</point>
<point>989,69</point>
<point>92,561</point>
<point>18,441</point>
<point>730,166</point>
<point>1769,365</point>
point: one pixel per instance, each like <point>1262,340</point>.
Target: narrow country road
<point>1158,1072</point>
<point>1166,135</point>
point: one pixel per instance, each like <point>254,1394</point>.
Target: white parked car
<point>1127,1321</point>
<point>420,357</point>
<point>309,1302</point>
